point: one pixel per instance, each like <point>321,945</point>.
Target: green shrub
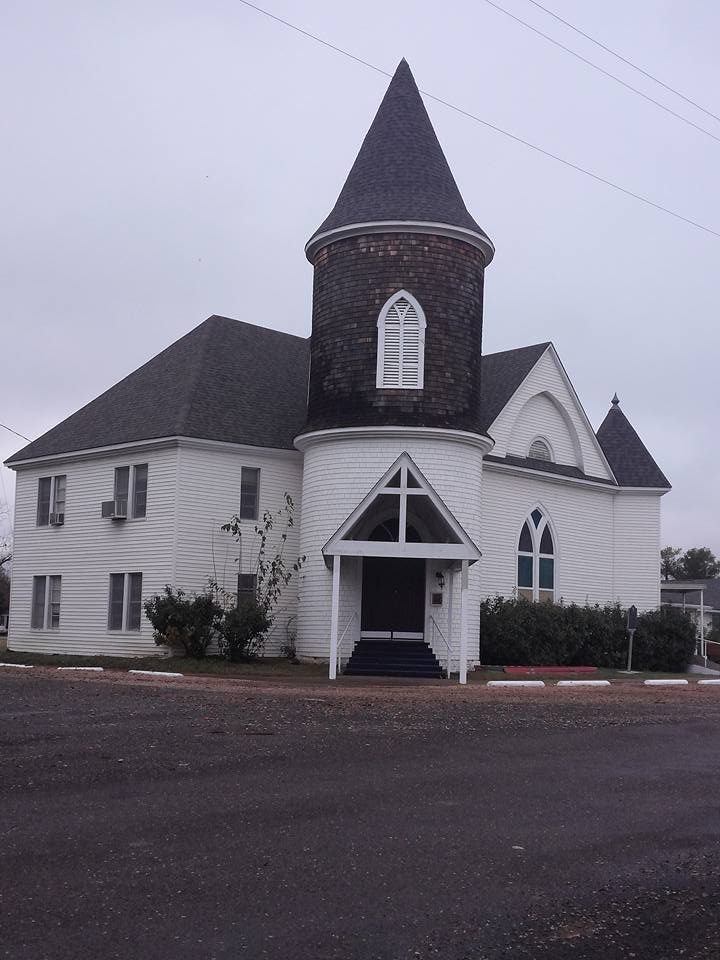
<point>545,634</point>
<point>242,630</point>
<point>181,620</point>
<point>665,640</point>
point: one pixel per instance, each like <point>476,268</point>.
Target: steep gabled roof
<point>225,380</point>
<point>501,375</point>
<point>400,172</point>
<point>627,455</point>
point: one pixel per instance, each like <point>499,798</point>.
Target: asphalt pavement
<point>212,820</point>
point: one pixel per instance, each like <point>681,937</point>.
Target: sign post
<point>631,628</point>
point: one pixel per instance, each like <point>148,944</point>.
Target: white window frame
<point>546,443</point>
<point>132,469</point>
<point>124,628</point>
<point>536,536</point>
<point>46,618</point>
<point>381,325</point>
<point>52,502</point>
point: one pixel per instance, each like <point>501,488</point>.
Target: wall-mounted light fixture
<point>440,577</point>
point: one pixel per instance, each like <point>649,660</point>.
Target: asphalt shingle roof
<point>239,383</point>
<point>400,172</point>
<point>627,455</point>
<point>501,375</point>
<point>225,380</point>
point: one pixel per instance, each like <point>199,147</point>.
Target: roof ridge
<point>530,346</point>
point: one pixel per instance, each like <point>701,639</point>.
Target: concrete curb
<point>18,666</point>
<point>94,669</point>
<point>711,682</point>
<point>515,683</point>
<point>155,673</point>
<point>583,683</point>
<point>665,683</point>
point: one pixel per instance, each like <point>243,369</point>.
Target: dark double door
<point>393,596</point>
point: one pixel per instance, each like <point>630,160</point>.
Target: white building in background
<point>425,476</point>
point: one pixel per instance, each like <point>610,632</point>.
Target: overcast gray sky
<point>165,160</point>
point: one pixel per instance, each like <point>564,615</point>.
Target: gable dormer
<point>544,412</point>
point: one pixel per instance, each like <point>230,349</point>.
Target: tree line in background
<point>697,563</point>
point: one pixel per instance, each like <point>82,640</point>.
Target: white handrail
<point>342,637</point>
<point>445,641</point>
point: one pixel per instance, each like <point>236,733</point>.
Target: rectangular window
<point>140,478</point>
<point>45,613</point>
<point>125,602</point>
<point>249,485</point>
<point>131,490</point>
<point>547,573</point>
<point>247,587</point>
<point>525,572</point>
<point>53,611</point>
<point>51,498</point>
<point>37,621</point>
<point>43,501</point>
<point>122,484</point>
<point>58,496</point>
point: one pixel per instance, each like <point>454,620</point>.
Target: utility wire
<point>629,63</point>
<point>21,435</point>
<point>605,73</point>
<point>491,126</point>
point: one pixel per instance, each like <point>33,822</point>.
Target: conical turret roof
<point>629,458</point>
<point>400,173</point>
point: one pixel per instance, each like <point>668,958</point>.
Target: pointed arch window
<point>401,343</point>
<point>536,559</point>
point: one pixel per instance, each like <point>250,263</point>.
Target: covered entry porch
<point>402,558</point>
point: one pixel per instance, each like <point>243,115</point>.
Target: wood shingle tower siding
<point>399,223</point>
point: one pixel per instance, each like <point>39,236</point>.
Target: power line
<point>491,126</point>
<point>21,435</point>
<point>629,63</point>
<point>605,73</point>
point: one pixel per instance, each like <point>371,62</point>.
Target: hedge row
<point>545,634</point>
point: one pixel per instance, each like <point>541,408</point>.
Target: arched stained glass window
<point>536,559</point>
<point>401,343</point>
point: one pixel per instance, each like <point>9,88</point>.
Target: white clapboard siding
<point>637,549</point>
<point>208,495</point>
<point>544,419</point>
<point>541,417</point>
<point>338,474</point>
<point>87,549</point>
<point>607,542</point>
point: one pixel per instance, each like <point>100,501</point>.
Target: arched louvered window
<point>540,450</point>
<point>536,559</point>
<point>401,343</point>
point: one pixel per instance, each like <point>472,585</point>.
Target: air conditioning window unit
<point>114,509</point>
<point>56,519</point>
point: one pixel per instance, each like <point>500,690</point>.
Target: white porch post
<point>334,617</point>
<point>463,622</point>
<point>451,590</point>
<point>703,646</point>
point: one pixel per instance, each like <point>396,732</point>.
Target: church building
<point>425,475</point>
